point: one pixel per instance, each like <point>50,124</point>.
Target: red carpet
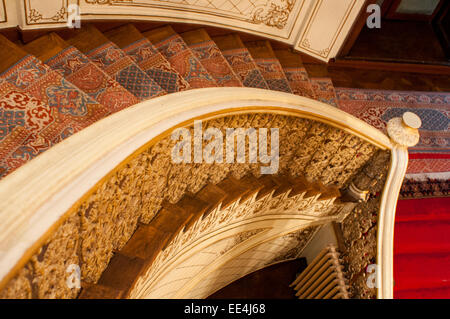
<point>422,222</point>
<point>422,248</point>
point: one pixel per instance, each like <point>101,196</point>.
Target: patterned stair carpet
<point>422,228</point>
<point>52,87</point>
<point>148,58</point>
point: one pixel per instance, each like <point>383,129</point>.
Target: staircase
<point>98,74</point>
<point>54,87</point>
<point>174,221</point>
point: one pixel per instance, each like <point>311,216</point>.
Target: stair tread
<point>149,59</point>
<point>46,46</point>
<point>324,90</point>
<point>211,58</point>
<point>195,207</point>
<point>10,53</point>
<point>121,273</point>
<point>426,209</point>
<point>295,73</point>
<point>420,236</point>
<point>172,46</point>
<point>86,75</point>
<point>269,66</point>
<point>289,59</point>
<point>420,270</point>
<point>241,61</point>
<point>146,242</point>
<point>87,38</point>
<point>233,189</point>
<point>423,293</point>
<point>43,78</point>
<point>110,58</point>
<point>170,219</point>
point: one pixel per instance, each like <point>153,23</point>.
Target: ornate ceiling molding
<point>39,12</point>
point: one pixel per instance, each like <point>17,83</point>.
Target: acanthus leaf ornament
<point>274,14</point>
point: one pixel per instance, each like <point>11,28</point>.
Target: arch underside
<point>101,221</point>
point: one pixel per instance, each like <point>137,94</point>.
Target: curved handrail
<point>35,197</point>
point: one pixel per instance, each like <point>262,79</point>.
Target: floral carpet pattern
<point>71,108</point>
<point>176,51</point>
<point>78,69</point>
<point>214,62</point>
<point>299,82</point>
<point>144,54</point>
<point>376,107</point>
<point>245,67</point>
<point>324,90</point>
<point>272,72</point>
<point>122,68</point>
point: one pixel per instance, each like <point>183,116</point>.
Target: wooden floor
<point>268,283</point>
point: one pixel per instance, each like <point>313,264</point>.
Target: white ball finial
<point>404,131</point>
<point>412,120</point>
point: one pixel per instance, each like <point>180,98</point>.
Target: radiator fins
<point>323,278</point>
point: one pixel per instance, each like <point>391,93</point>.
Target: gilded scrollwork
<point>106,218</point>
<point>274,14</point>
<point>359,228</point>
<point>35,16</point>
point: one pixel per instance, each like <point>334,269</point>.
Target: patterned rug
<point>156,66</point>
<point>22,118</point>
<point>299,81</point>
<point>215,63</point>
<point>110,58</point>
<point>176,51</point>
<point>78,69</point>
<point>243,64</point>
<point>324,90</point>
<point>430,158</point>
<point>272,72</point>
<point>71,108</point>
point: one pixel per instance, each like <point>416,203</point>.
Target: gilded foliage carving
<point>107,218</point>
<point>360,227</point>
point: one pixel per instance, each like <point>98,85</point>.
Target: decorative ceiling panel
<point>3,16</point>
<point>316,27</point>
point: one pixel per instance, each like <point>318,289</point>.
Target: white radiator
<point>323,278</point>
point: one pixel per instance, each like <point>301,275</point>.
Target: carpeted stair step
<point>75,67</point>
<point>149,59</point>
<point>240,59</point>
<point>296,73</point>
<point>110,58</point>
<point>268,65</point>
<point>422,236</point>
<point>69,108</point>
<point>211,58</point>
<point>427,209</point>
<point>324,90</point>
<point>421,271</point>
<point>172,46</point>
